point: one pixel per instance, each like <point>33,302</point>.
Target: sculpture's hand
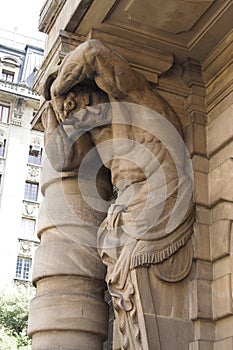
<point>64,152</point>
<point>59,147</point>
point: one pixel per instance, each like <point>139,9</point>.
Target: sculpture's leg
<point>68,311</point>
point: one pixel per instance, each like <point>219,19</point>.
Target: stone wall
<point>218,78</point>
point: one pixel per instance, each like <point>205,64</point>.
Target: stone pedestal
<point>69,311</point>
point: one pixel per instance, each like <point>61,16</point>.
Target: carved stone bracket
<point>33,173</point>
<point>25,248</point>
<point>18,110</point>
<point>30,209</point>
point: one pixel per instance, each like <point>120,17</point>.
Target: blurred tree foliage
<point>14,310</point>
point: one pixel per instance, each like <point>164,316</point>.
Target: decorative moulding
<point>151,62</point>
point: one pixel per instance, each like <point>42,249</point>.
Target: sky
<point>21,17</point>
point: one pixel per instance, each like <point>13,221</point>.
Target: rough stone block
<point>201,345</point>
<point>203,270</point>
<point>201,188</point>
<point>220,239</point>
<point>201,242</point>
<point>220,87</point>
<point>220,130</point>
<point>180,333</point>
<point>200,164</point>
<point>204,330</point>
<point>195,137</point>
<point>201,303</point>
<point>222,211</point>
<point>221,183</point>
<point>222,297</point>
<point>198,117</point>
<point>221,156</point>
<point>220,107</point>
<point>223,328</point>
<point>225,344</point>
<point>221,267</point>
<point>203,215</point>
<point>231,240</point>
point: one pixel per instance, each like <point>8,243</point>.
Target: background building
<point>20,162</point>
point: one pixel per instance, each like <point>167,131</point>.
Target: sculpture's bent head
<point>78,102</point>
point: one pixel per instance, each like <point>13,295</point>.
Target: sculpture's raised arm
<point>111,72</point>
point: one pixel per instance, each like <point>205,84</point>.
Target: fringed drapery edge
<point>146,258</point>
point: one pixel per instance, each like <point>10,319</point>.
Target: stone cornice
<point>49,13</point>
<point>217,71</point>
<point>148,60</point>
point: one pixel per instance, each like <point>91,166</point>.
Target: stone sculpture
<point>111,112</point>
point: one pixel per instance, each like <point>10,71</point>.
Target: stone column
<point>69,311</point>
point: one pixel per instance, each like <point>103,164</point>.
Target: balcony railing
<point>19,88</point>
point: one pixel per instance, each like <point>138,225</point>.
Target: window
<point>8,76</point>
<point>31,191</point>
<point>23,268</point>
<point>35,153</point>
<point>4,113</point>
<point>2,146</point>
<point>27,228</point>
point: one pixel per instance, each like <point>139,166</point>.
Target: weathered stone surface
<point>222,297</point>
<point>201,306</point>
<point>223,328</point>
<point>220,87</point>
<point>220,239</point>
<point>201,242</point>
<point>200,164</point>
<point>203,215</point>
<point>204,330</point>
<point>218,59</point>
<point>222,267</point>
<point>222,211</point>
<point>226,344</point>
<point>221,156</point>
<point>220,131</point>
<point>201,188</point>
<point>201,345</point>
<point>203,270</point>
<point>196,139</point>
<point>220,107</point>
<point>221,182</point>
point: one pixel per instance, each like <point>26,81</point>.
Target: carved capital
<point>191,73</point>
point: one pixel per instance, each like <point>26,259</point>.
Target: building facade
<point>20,163</point>
<point>184,49</point>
